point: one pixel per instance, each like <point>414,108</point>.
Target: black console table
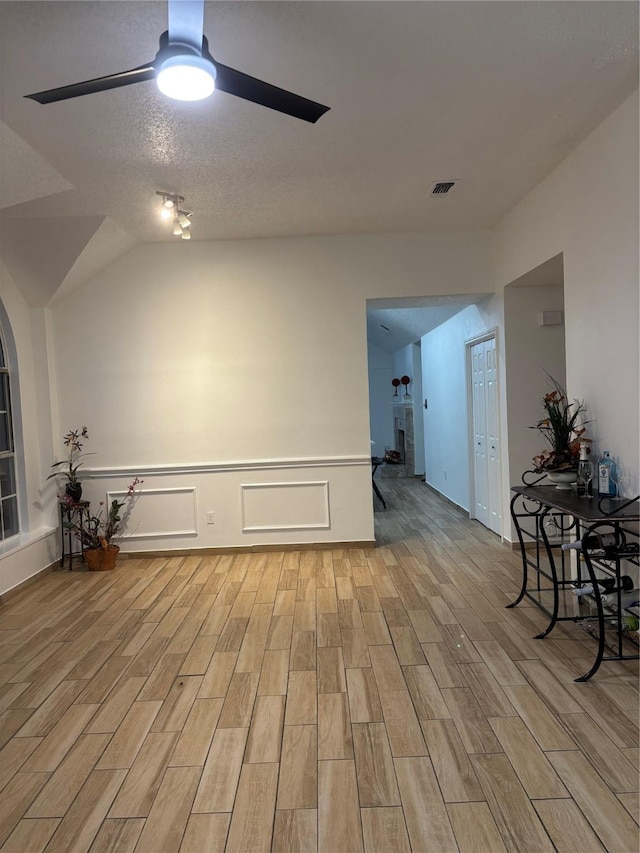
<point>68,510</point>
<point>545,518</point>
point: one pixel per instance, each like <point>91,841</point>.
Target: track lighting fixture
<point>171,210</point>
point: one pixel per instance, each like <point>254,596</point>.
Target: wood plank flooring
<point>378,700</point>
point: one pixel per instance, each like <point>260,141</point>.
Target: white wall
<point>444,382</point>
<point>587,209</point>
<point>407,362</point>
<point>403,366</point>
<point>213,367</point>
<point>380,389</point>
<point>531,351</point>
<point>418,418</point>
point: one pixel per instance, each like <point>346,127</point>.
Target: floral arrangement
<point>72,463</point>
<point>562,430</point>
<point>98,530</point>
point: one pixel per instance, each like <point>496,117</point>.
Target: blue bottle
<point>607,476</point>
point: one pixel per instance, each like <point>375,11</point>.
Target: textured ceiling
<point>494,94</point>
<point>394,324</point>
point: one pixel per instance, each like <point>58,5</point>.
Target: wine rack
<point>547,518</point>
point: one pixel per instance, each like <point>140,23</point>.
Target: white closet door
<point>486,436</point>
<point>481,501</point>
<point>493,436</point>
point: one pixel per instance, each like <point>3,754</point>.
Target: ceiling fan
<point>184,69</point>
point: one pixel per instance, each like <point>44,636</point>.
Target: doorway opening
<point>399,331</point>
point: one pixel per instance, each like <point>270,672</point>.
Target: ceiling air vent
<point>442,187</point>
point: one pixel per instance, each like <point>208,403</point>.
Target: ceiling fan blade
<point>99,84</point>
<point>243,86</point>
<point>186,22</point>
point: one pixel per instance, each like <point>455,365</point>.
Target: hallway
<point>315,700</point>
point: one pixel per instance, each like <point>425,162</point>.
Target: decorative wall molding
<point>184,511</point>
<point>238,465</point>
<point>260,548</point>
<point>265,505</point>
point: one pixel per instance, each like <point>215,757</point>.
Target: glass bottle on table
<point>585,473</point>
<point>607,476</point>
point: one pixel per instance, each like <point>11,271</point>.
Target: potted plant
<point>69,467</point>
<point>563,430</point>
<point>96,532</point>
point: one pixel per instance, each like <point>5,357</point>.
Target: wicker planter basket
<point>101,559</point>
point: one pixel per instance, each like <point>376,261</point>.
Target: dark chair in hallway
<point>376,461</point>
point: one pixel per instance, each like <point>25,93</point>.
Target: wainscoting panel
<point>285,506</point>
<point>160,513</point>
<point>242,504</point>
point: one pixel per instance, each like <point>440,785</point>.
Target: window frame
<point>9,454</point>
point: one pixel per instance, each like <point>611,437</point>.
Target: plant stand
<point>67,537</point>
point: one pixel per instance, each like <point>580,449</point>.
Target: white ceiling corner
<point>106,245</point>
<point>24,174</point>
<point>60,241</point>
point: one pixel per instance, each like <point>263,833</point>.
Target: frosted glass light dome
<point>186,78</point>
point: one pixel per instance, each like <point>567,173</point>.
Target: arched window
<point>9,520</point>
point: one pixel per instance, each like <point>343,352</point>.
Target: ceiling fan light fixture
<point>186,77</point>
<point>186,234</point>
<point>183,219</point>
<point>177,228</point>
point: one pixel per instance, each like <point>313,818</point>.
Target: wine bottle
<point>607,476</point>
<point>607,542</point>
<point>607,586</point>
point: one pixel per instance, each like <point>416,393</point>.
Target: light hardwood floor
<point>332,700</point>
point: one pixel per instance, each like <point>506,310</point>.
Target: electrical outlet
<point>211,518</point>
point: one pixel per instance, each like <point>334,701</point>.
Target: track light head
<point>170,209</point>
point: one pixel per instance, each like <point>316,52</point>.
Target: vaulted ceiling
<point>494,94</point>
